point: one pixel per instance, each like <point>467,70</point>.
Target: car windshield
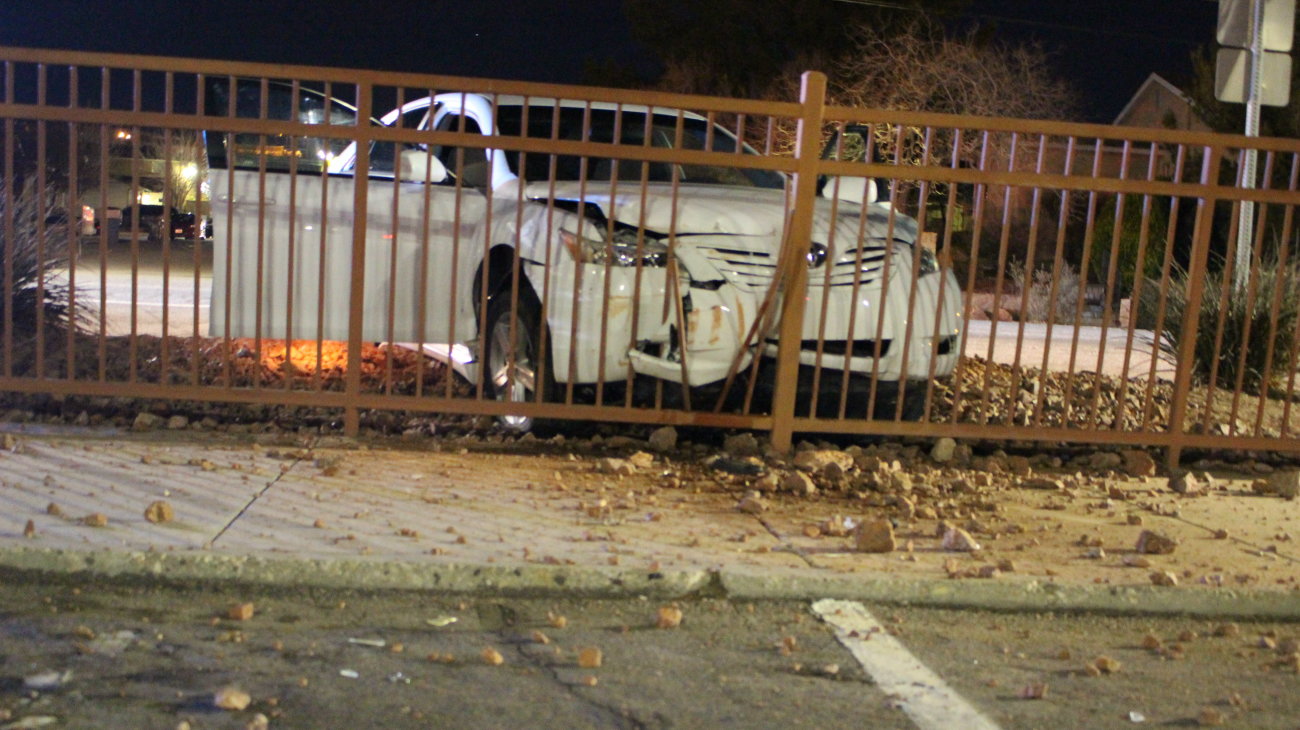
<point>662,132</point>
<point>274,100</point>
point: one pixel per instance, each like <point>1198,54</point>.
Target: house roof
<point>1159,82</point>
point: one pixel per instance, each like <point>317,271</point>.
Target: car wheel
<point>517,364</point>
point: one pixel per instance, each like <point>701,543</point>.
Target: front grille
<point>871,267</point>
<point>861,348</point>
<point>755,269</point>
<point>746,269</point>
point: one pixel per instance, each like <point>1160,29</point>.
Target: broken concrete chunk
<point>817,461</point>
<point>590,657</point>
<point>1185,483</point>
<point>1138,463</point>
<point>752,503</point>
<point>943,450</point>
<point>876,536</point>
<point>1154,543</point>
<point>769,482</point>
<point>1105,460</point>
<point>145,421</point>
<point>610,465</point>
<point>1211,717</point>
<point>668,617</point>
<point>663,439</point>
<point>1285,483</point>
<point>232,699</point>
<point>798,483</point>
<point>1164,578</point>
<point>741,444</point>
<point>956,539</point>
<point>159,511</point>
<point>1034,691</point>
<point>1106,664</point>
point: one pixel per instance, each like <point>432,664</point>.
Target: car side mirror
<point>861,190</point>
<point>419,166</point>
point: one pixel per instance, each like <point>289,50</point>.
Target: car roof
<point>518,100</point>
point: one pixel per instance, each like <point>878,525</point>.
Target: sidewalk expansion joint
<point>248,505</point>
<point>786,546</point>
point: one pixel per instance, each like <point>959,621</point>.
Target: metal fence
<point>207,231</point>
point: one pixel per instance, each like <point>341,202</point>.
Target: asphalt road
<point>150,656</point>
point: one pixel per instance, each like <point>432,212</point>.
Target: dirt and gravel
<point>980,391</point>
<point>965,510</point>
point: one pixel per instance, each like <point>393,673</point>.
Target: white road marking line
<point>922,694</point>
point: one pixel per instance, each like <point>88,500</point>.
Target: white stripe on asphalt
<point>921,693</point>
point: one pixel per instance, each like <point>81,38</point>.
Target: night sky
<point>1105,47</point>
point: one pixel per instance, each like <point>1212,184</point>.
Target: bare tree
<point>184,164</point>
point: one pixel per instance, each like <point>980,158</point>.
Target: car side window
<point>383,155</point>
<point>281,101</point>
<point>469,164</point>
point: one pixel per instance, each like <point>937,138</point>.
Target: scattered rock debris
<point>232,699</point>
<point>1033,691</point>
<point>1150,542</point>
<point>159,511</point>
<point>876,536</point>
<point>668,617</point>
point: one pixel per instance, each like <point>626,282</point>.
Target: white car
<point>620,272</point>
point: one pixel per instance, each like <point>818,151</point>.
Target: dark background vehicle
<point>141,221</point>
<point>187,227</point>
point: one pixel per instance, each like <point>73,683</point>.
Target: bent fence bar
<point>402,242</point>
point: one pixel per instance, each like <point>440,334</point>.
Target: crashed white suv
<point>597,270</point>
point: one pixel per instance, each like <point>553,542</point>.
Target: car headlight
<point>622,247</point>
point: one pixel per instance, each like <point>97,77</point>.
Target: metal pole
<point>793,262</point>
<point>1246,222</point>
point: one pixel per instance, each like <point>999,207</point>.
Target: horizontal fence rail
<point>204,231</point>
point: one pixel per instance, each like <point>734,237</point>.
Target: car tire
<point>516,380</point>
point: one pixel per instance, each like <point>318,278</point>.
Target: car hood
<point>757,213</point>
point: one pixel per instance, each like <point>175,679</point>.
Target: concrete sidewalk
<point>438,516</point>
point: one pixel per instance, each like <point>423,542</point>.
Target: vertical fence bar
<point>7,179</point>
<point>791,269</point>
<point>1191,313</point>
<point>356,301</point>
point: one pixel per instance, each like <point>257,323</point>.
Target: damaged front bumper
<point>699,330</point>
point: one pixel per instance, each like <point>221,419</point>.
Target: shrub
<point>37,263</point>
<point>1040,307</point>
<point>1125,251</point>
<point>1247,324</point>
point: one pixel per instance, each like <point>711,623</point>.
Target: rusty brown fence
<point>189,230</point>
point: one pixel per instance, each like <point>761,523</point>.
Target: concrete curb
<point>541,581</point>
<point>484,579</point>
<point>1006,594</point>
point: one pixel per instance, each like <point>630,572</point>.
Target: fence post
<point>1197,265</point>
<point>792,268</point>
<point>356,301</point>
